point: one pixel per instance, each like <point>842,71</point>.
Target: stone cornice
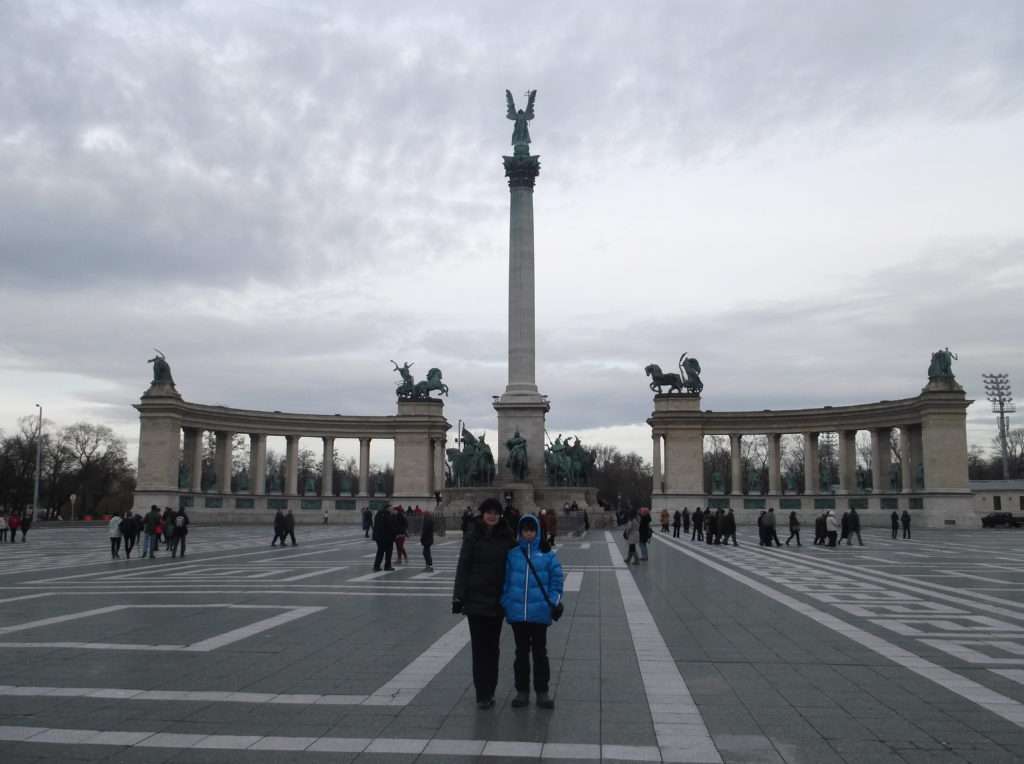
<point>865,416</point>
<point>421,417</point>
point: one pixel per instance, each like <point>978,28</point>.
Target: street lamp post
<point>997,390</point>
<point>39,459</point>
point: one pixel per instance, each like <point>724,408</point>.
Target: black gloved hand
<point>456,606</point>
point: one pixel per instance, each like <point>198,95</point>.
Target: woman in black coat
<point>479,580</point>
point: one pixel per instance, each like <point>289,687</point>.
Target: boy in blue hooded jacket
<point>528,612</point>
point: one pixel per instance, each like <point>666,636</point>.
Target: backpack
<point>179,521</point>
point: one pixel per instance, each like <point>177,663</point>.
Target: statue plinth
<point>942,385</point>
<point>162,390</point>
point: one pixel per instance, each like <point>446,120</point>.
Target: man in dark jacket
<point>894,518</point>
<point>905,520</point>
<point>479,579</point>
<point>729,528</point>
<point>770,532</point>
<point>179,530</point>
<point>129,534</point>
<point>427,539</point>
<point>367,522</point>
<point>698,525</point>
<point>289,528</point>
<point>384,536</point>
<point>278,528</point>
<point>686,521</point>
<point>854,521</point>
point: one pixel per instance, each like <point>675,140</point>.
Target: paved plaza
<point>898,651</point>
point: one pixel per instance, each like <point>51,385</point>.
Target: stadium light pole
<point>997,390</point>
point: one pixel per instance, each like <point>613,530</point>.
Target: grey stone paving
<point>900,651</point>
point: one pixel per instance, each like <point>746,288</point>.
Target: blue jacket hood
<point>533,546</point>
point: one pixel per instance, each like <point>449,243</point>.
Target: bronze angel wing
<point>529,104</point>
<point>511,105</point>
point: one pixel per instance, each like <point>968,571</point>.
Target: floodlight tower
<point>997,390</point>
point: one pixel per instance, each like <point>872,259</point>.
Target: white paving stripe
<point>418,674</point>
<point>999,704</point>
<point>381,745</point>
<point>573,581</point>
<point>321,572</point>
<point>678,724</point>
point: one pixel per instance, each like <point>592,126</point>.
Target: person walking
<point>677,523</point>
<point>26,523</point>
<point>771,535</point>
<point>698,525</point>
<point>384,537</point>
<point>820,530</point>
<point>13,523</point>
<point>794,529</point>
<point>167,527</point>
<point>552,526</point>
<point>832,526</point>
<point>479,582</point>
<point>149,529</point>
<point>762,530</point>
<point>905,521</point>
<point>631,533</point>
<point>325,515</point>
<point>400,524</point>
<point>894,518</point>
<point>427,539</point>
<point>367,522</point>
<point>645,532</point>
<point>686,521</point>
<point>586,521</point>
<point>114,531</point>
<point>844,527</point>
<point>664,520</point>
<point>289,528</point>
<point>728,522</point>
<point>179,531</point>
<point>129,533</point>
<point>710,526</point>
<point>532,591</point>
<point>278,528</point>
<point>854,522</point>
<point>3,528</point>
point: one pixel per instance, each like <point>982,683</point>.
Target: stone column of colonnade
<point>193,458</point>
<point>327,468</point>
<point>880,461</point>
<point>811,484</point>
<point>906,460</point>
<point>847,461</point>
<point>774,464</point>
<point>437,484</point>
<point>364,466</point>
<point>735,464</point>
<point>257,463</point>
<point>291,477</point>
<point>222,461</point>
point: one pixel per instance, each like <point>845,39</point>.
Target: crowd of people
<point>390,528</point>
<point>168,527</point>
<point>14,521</point>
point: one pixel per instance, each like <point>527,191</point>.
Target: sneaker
<point>545,701</point>
<point>429,569</point>
<point>521,699</point>
<point>388,567</point>
<point>485,705</point>
<point>376,570</point>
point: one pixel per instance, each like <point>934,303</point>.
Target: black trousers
<point>427,556</point>
<point>894,530</point>
<point>129,543</point>
<point>531,641</point>
<point>795,533</point>
<point>115,545</point>
<point>698,533</point>
<point>383,553</point>
<point>730,535</point>
<point>906,531</point>
<point>176,543</point>
<point>485,640</point>
<point>675,531</point>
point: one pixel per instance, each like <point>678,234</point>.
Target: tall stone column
<point>906,460</point>
<point>193,446</point>
<point>521,408</point>
<point>774,464</point>
<point>258,463</point>
<point>291,479</point>
<point>439,445</point>
<point>847,461</point>
<point>223,461</point>
<point>736,464</point>
<point>811,484</point>
<point>327,470</point>
<point>880,461</point>
<point>656,461</point>
<point>197,463</point>
<point>364,466</point>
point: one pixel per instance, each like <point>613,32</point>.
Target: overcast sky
<point>810,198</point>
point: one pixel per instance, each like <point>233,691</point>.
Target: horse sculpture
<point>688,377</point>
<point>432,382</point>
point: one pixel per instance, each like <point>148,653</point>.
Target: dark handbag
<point>556,610</point>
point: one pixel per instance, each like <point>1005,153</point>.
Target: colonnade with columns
<point>932,456</point>
<point>172,433</point>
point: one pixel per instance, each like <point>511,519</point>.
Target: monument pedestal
<point>526,414</point>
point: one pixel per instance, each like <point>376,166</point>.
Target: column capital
<point>522,171</point>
